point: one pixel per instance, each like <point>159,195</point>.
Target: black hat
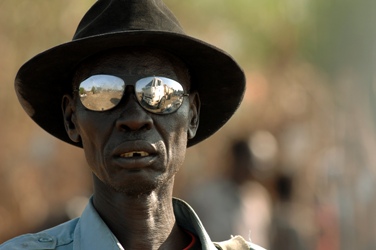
<point>43,80</point>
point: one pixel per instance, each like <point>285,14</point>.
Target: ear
<point>194,114</point>
<point>67,105</point>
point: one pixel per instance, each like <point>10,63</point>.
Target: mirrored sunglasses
<point>156,94</point>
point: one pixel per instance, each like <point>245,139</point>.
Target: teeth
<point>134,154</point>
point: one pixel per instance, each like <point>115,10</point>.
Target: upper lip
<point>135,148</point>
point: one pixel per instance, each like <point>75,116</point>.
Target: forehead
<point>134,62</point>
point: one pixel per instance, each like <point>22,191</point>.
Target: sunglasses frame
<point>148,101</point>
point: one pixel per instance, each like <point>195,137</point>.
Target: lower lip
<point>134,162</point>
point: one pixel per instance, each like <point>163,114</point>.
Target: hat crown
<point>110,16</point>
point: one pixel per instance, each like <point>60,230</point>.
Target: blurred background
<point>293,169</point>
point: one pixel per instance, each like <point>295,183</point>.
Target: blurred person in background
<point>134,92</point>
<point>283,233</point>
<point>242,204</point>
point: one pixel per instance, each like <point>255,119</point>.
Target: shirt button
<point>45,239</point>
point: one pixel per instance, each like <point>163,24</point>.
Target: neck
<point>144,221</point>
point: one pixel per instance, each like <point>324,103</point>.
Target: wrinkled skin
<point>133,195</point>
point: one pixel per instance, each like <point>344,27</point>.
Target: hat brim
<point>42,81</point>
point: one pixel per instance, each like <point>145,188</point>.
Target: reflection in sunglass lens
<point>101,92</point>
<point>159,95</point>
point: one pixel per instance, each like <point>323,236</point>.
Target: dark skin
<point>133,194</point>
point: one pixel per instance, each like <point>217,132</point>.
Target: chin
<point>135,190</point>
<point>140,186</point>
<point>138,183</point>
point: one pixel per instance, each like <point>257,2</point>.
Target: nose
<point>133,117</point>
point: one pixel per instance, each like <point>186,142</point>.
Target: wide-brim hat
<point>43,80</point>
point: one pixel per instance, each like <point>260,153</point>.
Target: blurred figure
<point>283,234</point>
<point>327,224</point>
<point>242,205</point>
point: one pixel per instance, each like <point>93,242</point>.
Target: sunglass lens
<point>159,95</point>
<point>101,92</point>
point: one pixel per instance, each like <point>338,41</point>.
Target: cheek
<point>178,125</point>
<point>93,132</point>
<point>178,137</point>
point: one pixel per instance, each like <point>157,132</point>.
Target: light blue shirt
<point>89,232</point>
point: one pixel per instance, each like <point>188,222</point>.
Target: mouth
<point>134,154</point>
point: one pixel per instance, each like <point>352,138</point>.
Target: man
<point>134,92</point>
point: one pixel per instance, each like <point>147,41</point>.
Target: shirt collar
<point>93,233</point>
<point>188,219</point>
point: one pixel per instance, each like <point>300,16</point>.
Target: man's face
<point>128,148</point>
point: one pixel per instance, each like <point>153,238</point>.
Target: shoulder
<point>53,238</point>
<point>30,241</point>
<point>237,243</point>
